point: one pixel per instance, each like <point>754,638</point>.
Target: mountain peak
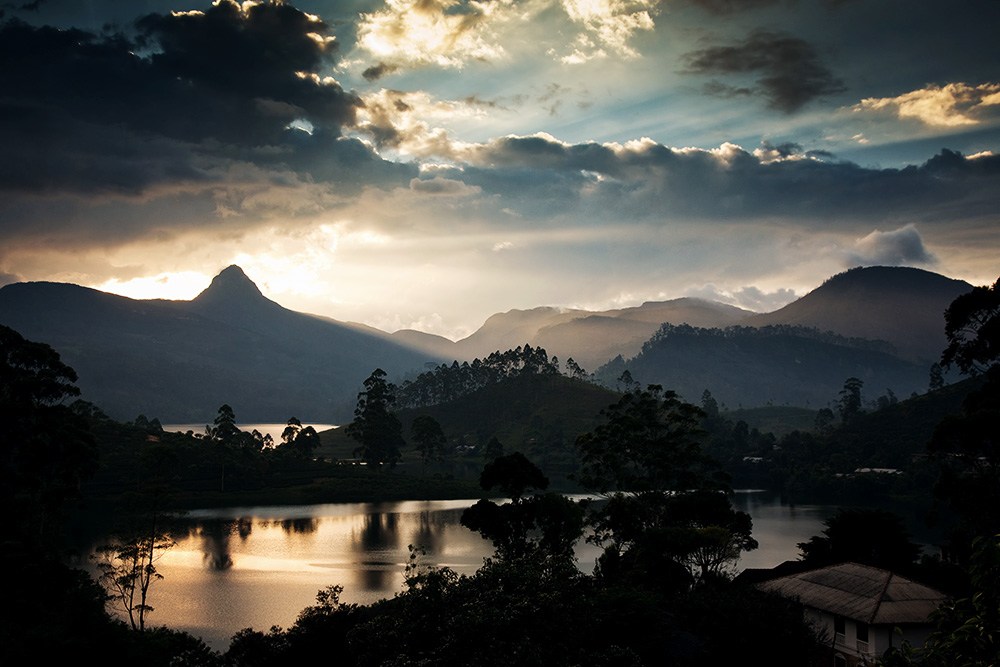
<point>230,285</point>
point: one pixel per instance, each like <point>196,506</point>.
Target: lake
<point>274,430</point>
<point>260,566</point>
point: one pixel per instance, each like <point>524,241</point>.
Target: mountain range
<point>180,360</point>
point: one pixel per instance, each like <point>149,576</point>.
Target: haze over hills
<point>901,305</point>
<point>887,325</point>
<point>180,360</point>
<point>588,337</point>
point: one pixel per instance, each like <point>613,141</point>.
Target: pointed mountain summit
<point>232,284</point>
<point>234,298</point>
<point>180,360</point>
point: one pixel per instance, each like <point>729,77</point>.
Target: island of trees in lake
<point>519,430</point>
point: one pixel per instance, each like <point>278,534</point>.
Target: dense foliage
<point>774,365</point>
<point>448,382</point>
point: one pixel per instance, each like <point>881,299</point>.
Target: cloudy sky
<point>426,163</point>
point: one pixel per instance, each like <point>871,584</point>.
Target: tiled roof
<point>860,592</point>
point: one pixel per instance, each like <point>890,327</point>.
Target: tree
<point>541,526</point>
<point>886,400</point>
<point>224,430</point>
<point>494,449</point>
<point>428,438</point>
<point>46,448</point>
<point>665,517</point>
<point>936,378</point>
<point>965,630</point>
<point>626,383</point>
<point>972,326</point>
<point>127,566</point>
<point>300,441</point>
<point>375,427</point>
<point>709,405</point>
<point>966,445</point>
<point>226,435</point>
<point>575,370</point>
<point>849,405</point>
<point>870,536</point>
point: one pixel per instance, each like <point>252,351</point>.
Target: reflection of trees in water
<point>379,534</point>
<point>215,541</point>
<point>380,531</point>
<point>302,525</point>
<point>377,576</point>
<point>428,532</point>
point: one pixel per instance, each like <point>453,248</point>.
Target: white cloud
<point>409,123</point>
<point>951,105</point>
<point>749,297</point>
<point>899,247</point>
<point>452,33</point>
<point>445,33</point>
<point>608,25</point>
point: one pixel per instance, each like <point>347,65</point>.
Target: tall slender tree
<point>376,428</point>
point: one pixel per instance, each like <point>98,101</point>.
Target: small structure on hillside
<point>861,610</point>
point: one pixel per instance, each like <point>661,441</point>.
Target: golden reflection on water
<point>260,567</point>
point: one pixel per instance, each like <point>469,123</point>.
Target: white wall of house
<point>880,637</point>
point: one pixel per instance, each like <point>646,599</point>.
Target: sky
<point>427,163</point>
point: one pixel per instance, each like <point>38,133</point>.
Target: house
<point>859,610</point>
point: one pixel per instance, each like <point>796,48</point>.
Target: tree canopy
<point>972,325</point>
<point>375,427</point>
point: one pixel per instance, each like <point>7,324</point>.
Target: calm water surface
<point>259,566</point>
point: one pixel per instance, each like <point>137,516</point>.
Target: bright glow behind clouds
<point>427,163</point>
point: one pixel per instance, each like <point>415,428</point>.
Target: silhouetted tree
<point>709,405</point>
<point>966,445</point>
<point>972,326</point>
<point>46,448</point>
<point>936,378</point>
<point>626,383</point>
<point>870,536</point>
<point>375,427</point>
<point>494,449</point>
<point>224,430</point>
<point>849,405</point>
<point>300,441</point>
<point>664,499</point>
<point>540,526</point>
<point>428,438</point>
<point>128,568</point>
<point>964,629</point>
<point>886,400</point>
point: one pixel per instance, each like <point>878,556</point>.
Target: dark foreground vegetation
<point>662,591</point>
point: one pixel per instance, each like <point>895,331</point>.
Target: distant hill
<point>781,365</point>
<point>901,305</point>
<point>540,415</point>
<point>590,338</point>
<point>180,360</point>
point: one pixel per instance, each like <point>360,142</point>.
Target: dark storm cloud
<point>653,182</point>
<point>376,72</point>
<point>722,7</point>
<point>788,70</point>
<point>115,112</point>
